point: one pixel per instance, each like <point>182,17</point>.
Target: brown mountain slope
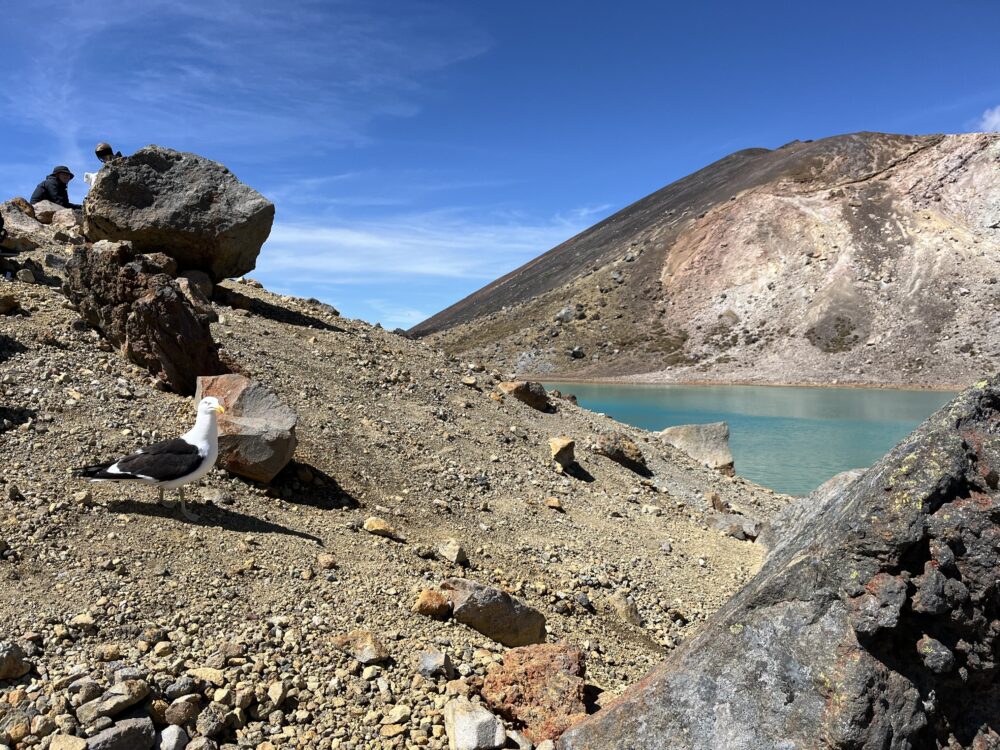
<point>865,258</point>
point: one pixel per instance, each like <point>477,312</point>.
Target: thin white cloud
<point>990,121</point>
<point>431,245</point>
<point>396,315</point>
<point>305,75</point>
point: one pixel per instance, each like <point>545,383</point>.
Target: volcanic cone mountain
<point>867,258</point>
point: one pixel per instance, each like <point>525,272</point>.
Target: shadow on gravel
<point>592,698</point>
<point>302,484</point>
<point>210,515</point>
<point>11,417</point>
<point>13,265</point>
<point>233,298</point>
<point>9,347</point>
<point>578,472</point>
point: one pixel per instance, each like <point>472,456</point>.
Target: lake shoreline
<point>626,380</point>
<point>789,439</point>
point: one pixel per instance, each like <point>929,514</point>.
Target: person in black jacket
<point>53,188</point>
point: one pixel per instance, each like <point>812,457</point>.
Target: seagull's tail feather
<point>97,472</point>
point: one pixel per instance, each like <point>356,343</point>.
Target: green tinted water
<point>788,439</point>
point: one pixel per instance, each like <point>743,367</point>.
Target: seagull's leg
<point>184,511</point>
<point>166,503</point>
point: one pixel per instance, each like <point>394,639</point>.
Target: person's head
<point>63,174</point>
<point>104,152</point>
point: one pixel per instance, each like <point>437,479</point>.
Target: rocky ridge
<point>865,259</point>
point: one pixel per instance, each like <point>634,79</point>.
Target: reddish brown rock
<point>540,688</point>
<point>135,303</point>
<point>9,304</point>
<point>562,449</point>
<point>431,603</point>
<point>257,432</point>
<point>363,646</point>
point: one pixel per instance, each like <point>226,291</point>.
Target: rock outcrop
<point>873,623</point>
<point>46,226</point>
<point>135,303</point>
<point>848,259</point>
<point>257,432</point>
<point>707,443</point>
<point>181,204</point>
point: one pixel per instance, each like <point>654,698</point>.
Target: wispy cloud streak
<point>301,74</point>
<point>441,245</point>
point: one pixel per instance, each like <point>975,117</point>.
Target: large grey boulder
<point>874,623</point>
<point>257,432</point>
<point>494,613</point>
<point>706,443</point>
<point>181,204</point>
<point>135,303</point>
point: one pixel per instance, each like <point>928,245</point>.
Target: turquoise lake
<point>789,439</point>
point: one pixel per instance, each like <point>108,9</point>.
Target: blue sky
<point>417,150</point>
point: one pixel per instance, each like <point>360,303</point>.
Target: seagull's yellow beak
<point>221,409</point>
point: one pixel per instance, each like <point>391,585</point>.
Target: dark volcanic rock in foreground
<point>181,204</point>
<point>136,304</point>
<point>873,624</point>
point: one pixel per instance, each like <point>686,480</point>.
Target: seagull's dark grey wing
<point>160,462</point>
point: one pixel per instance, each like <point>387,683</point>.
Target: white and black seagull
<point>170,464</point>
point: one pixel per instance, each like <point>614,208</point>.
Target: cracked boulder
<point>191,208</point>
<point>874,622</point>
<point>134,301</point>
